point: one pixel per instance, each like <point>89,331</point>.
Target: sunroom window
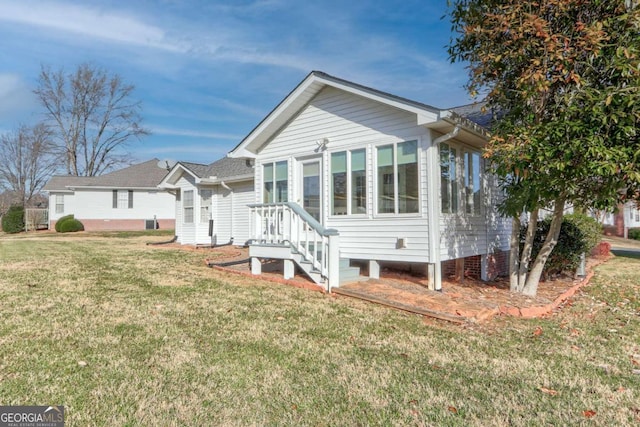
<point>398,181</point>
<point>448,179</point>
<point>460,180</point>
<point>472,182</point>
<point>348,183</point>
<point>275,176</point>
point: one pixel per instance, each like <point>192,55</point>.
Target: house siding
<point>232,213</point>
<point>186,232</point>
<point>352,122</point>
<point>94,208</point>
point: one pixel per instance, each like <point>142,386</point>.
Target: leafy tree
<point>564,76</point>
<point>94,117</point>
<point>28,162</point>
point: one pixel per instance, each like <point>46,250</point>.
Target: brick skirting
<point>120,224</point>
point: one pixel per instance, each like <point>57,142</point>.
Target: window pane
<point>358,182</point>
<point>187,201</point>
<point>448,182</point>
<point>339,183</point>
<point>311,189</point>
<point>267,177</point>
<point>282,177</point>
<point>205,205</point>
<point>408,182</point>
<point>386,191</point>
<point>60,203</point>
<point>123,199</point>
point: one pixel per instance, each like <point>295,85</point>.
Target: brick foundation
<point>120,224</point>
<point>498,266</point>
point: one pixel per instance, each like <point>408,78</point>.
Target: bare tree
<point>94,117</point>
<point>28,161</point>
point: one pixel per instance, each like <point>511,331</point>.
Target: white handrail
<point>289,224</point>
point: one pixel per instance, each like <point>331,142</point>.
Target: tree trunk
<point>525,257</point>
<point>531,285</point>
<point>514,254</point>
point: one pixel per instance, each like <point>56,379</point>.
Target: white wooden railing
<point>288,224</point>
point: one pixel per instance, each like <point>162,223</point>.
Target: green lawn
<point>127,334</point>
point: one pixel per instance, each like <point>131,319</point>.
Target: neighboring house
<point>347,176</point>
<point>211,201</point>
<point>126,199</point>
<point>619,223</point>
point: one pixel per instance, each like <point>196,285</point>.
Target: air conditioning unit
<point>150,224</point>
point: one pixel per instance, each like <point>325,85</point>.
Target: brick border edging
<point>282,281</point>
<point>539,311</point>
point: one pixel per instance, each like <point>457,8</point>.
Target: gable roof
<point>146,175</point>
<point>223,169</point>
<point>442,120</point>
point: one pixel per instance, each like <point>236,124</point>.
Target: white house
<point>618,224</point>
<point>348,176</point>
<point>211,201</point>
<point>127,199</point>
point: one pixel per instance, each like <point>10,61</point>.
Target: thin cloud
<point>89,22</point>
<point>159,130</point>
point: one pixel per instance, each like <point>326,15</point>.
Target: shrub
<point>13,220</point>
<point>633,233</point>
<point>61,220</point>
<point>578,234</point>
<point>71,225</point>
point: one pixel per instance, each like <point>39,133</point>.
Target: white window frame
<point>206,196</point>
<point>187,206</point>
<point>274,181</point>
<point>396,196</point>
<point>59,203</point>
<point>349,183</point>
<point>462,207</point>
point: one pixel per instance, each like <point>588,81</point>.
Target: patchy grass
<point>126,334</point>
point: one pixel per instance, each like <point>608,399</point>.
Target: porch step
<point>348,273</point>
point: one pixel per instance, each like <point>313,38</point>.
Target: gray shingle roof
<point>142,175</point>
<point>228,167</point>
<point>475,113</point>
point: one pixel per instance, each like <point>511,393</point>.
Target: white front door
<point>311,188</point>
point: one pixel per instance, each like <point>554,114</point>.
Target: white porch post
<point>484,267</point>
<point>288,269</point>
<point>334,262</point>
<point>374,269</point>
<point>256,266</point>
<point>434,276</point>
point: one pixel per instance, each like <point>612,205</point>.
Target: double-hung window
<point>205,205</point>
<point>59,203</point>
<point>275,177</point>
<point>348,182</point>
<point>187,206</point>
<point>398,180</point>
<point>460,169</point>
<point>122,199</point>
<point>472,192</point>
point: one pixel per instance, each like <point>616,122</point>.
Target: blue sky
<point>208,71</point>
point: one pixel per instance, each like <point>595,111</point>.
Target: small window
<point>472,182</point>
<point>448,179</point>
<point>122,199</point>
<point>460,180</point>
<point>348,183</point>
<point>187,204</point>
<point>205,205</point>
<point>276,178</point>
<point>59,203</point>
<point>398,180</point>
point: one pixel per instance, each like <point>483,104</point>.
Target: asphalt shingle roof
<point>142,175</point>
